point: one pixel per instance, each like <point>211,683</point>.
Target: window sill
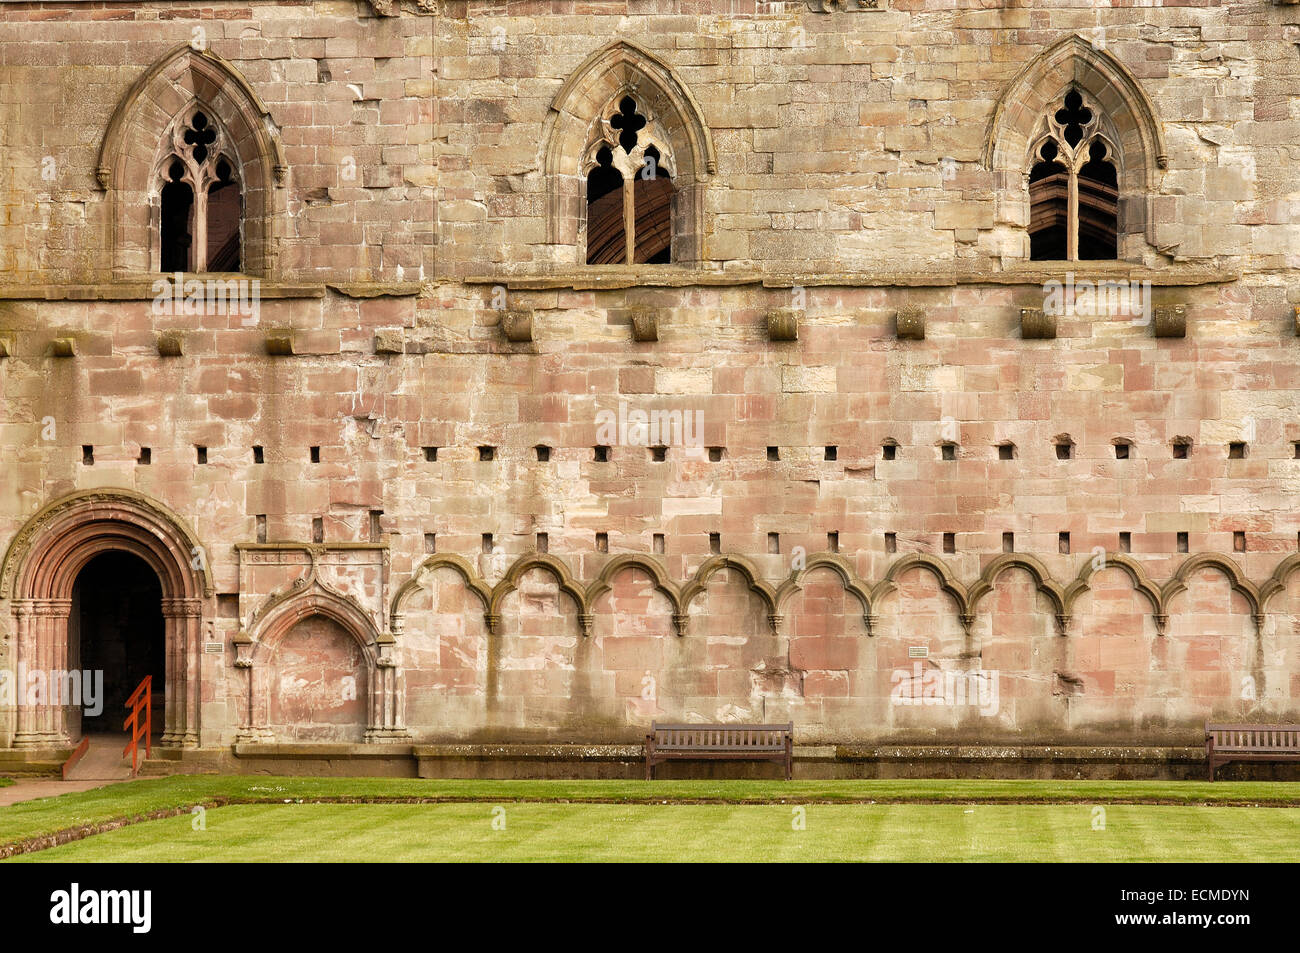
<point>606,278</point>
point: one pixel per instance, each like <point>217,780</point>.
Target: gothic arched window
<point>1073,187</point>
<point>628,160</point>
<point>628,224</point>
<point>201,209</point>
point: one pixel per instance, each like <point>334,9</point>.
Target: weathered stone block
<point>389,341</point>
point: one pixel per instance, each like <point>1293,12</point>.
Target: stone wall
<point>844,167</point>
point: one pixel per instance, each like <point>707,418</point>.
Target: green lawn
<point>674,832</point>
<point>271,818</point>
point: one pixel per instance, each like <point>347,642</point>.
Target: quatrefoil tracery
<point>1073,135</point>
<point>198,144</point>
<point>625,121</point>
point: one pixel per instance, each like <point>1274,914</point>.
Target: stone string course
<point>848,173</point>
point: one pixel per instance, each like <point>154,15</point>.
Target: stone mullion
<point>199,257</point>
<point>629,219</point>
<point>1072,219</point>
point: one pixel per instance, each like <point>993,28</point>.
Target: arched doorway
<point>116,637</point>
<point>40,577</point>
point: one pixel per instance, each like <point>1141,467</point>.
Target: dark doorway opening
<point>116,628</point>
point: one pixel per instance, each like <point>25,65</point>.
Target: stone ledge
<point>144,290</point>
<point>378,289</point>
<point>1125,754</point>
<point>320,750</point>
<point>523,752</point>
<point>28,762</point>
<point>1027,273</point>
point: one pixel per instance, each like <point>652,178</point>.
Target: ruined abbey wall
<point>851,273</point>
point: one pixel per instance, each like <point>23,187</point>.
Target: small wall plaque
<point>213,648</point>
<point>918,651</point>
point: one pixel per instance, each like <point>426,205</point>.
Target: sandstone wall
<point>851,182</point>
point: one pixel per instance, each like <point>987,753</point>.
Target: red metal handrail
<point>141,699</point>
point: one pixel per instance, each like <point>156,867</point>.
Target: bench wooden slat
<point>1225,743</point>
<point>719,742</point>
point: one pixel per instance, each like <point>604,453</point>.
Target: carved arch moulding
<point>40,569</point>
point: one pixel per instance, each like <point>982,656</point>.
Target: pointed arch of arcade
<point>848,579</point>
<point>563,578</point>
<point>939,569</point>
<point>308,597</point>
<point>1237,581</point>
<point>627,561</point>
<point>41,567</point>
<point>1043,581</point>
<point>753,580</point>
<point>126,168</point>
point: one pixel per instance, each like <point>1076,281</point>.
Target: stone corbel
<point>1037,325</point>
<point>645,325</point>
<point>682,621</point>
<point>244,646</point>
<point>783,325</point>
<point>909,324</point>
<point>1171,322</point>
<point>6,344</point>
<point>517,325</point>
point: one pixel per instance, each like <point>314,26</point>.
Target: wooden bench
<point>1224,743</point>
<point>719,743</point>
